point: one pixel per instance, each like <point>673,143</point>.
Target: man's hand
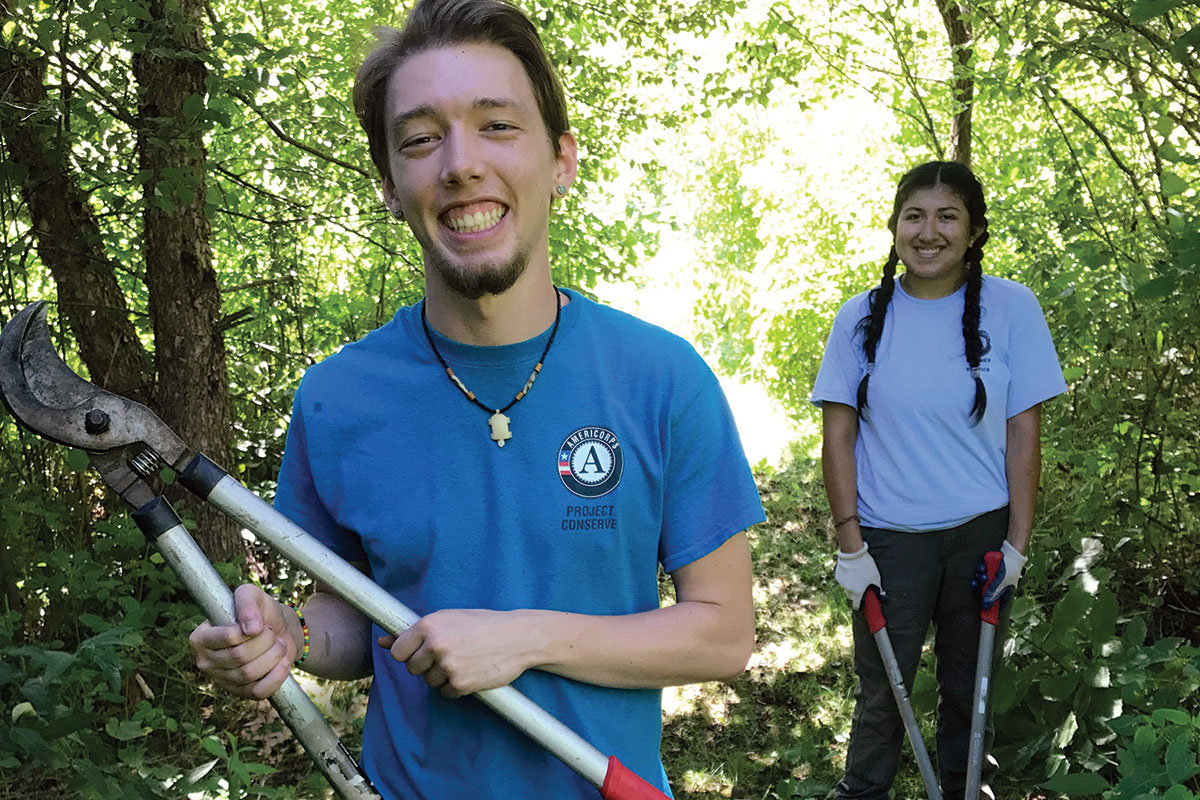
<point>253,658</point>
<point>856,572</point>
<point>461,651</point>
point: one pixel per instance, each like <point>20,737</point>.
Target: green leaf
<point>1144,740</point>
<point>1187,41</point>
<point>78,460</point>
<point>1004,691</point>
<point>1103,618</point>
<point>1172,184</point>
<point>1135,632</point>
<point>1179,792</point>
<point>1059,687</point>
<point>125,729</point>
<point>30,741</point>
<point>1081,784</point>
<point>1165,716</point>
<point>1181,759</point>
<point>94,622</point>
<point>1158,287</point>
<point>213,745</point>
<point>64,726</point>
<point>1066,732</point>
<point>253,768</point>
<point>193,106</point>
<point>137,11</point>
<point>1069,613</point>
<point>924,693</point>
<point>1146,10</point>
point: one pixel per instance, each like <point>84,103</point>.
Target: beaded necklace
<point>498,422</point>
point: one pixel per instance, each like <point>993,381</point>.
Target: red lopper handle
<point>621,783</point>
<point>992,561</point>
<point>874,610</point>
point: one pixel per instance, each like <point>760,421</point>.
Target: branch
<point>1079,170</point>
<point>1139,89</point>
<point>255,284</point>
<point>910,80</point>
<point>835,67</point>
<point>1124,22</point>
<point>106,100</point>
<point>1104,140</point>
<point>959,32</point>
<point>69,240</point>
<point>310,149</point>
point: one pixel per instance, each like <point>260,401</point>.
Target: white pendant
<point>500,431</point>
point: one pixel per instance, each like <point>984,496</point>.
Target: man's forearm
<point>707,635</point>
<point>682,643</point>
<point>339,638</point>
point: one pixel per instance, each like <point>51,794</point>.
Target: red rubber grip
<point>874,610</point>
<point>992,560</point>
<point>620,783</point>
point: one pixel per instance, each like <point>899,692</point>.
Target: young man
<point>526,521</point>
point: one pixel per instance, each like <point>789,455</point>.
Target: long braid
<point>972,341</point>
<point>872,324</point>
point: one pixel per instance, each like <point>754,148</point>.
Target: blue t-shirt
<point>921,463</point>
<point>624,455</point>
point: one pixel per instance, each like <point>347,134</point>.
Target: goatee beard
<point>474,282</point>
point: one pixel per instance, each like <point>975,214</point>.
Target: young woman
<point>931,389</point>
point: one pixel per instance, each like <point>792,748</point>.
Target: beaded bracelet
<point>844,520</point>
<point>304,629</point>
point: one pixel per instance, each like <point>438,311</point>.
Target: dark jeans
<point>927,577</point>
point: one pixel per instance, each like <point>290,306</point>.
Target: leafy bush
<point>104,702</point>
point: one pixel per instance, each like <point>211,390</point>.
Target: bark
<point>185,299</point>
<point>67,234</point>
<point>958,28</point>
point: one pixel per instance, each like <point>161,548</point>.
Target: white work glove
<point>856,572</point>
<point>1006,577</point>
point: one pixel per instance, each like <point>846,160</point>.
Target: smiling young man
<point>511,459</point>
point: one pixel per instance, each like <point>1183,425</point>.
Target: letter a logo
<point>590,462</point>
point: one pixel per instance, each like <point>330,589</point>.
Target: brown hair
<point>441,23</point>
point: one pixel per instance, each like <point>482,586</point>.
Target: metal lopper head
<point>127,442</point>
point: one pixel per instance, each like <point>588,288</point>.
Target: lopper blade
<point>44,395</point>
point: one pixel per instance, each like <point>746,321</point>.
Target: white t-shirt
<point>921,462</point>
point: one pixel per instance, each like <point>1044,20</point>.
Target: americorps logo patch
<point>590,462</point>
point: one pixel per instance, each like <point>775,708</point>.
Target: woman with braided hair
<point>931,389</point>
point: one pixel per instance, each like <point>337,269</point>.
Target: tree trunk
<point>958,28</point>
<point>67,235</point>
<point>185,300</point>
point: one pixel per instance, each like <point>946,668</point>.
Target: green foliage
<point>103,704</point>
<point>763,139</point>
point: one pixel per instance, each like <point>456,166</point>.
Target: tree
<point>43,119</point>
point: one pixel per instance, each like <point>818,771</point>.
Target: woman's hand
<point>857,572</point>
